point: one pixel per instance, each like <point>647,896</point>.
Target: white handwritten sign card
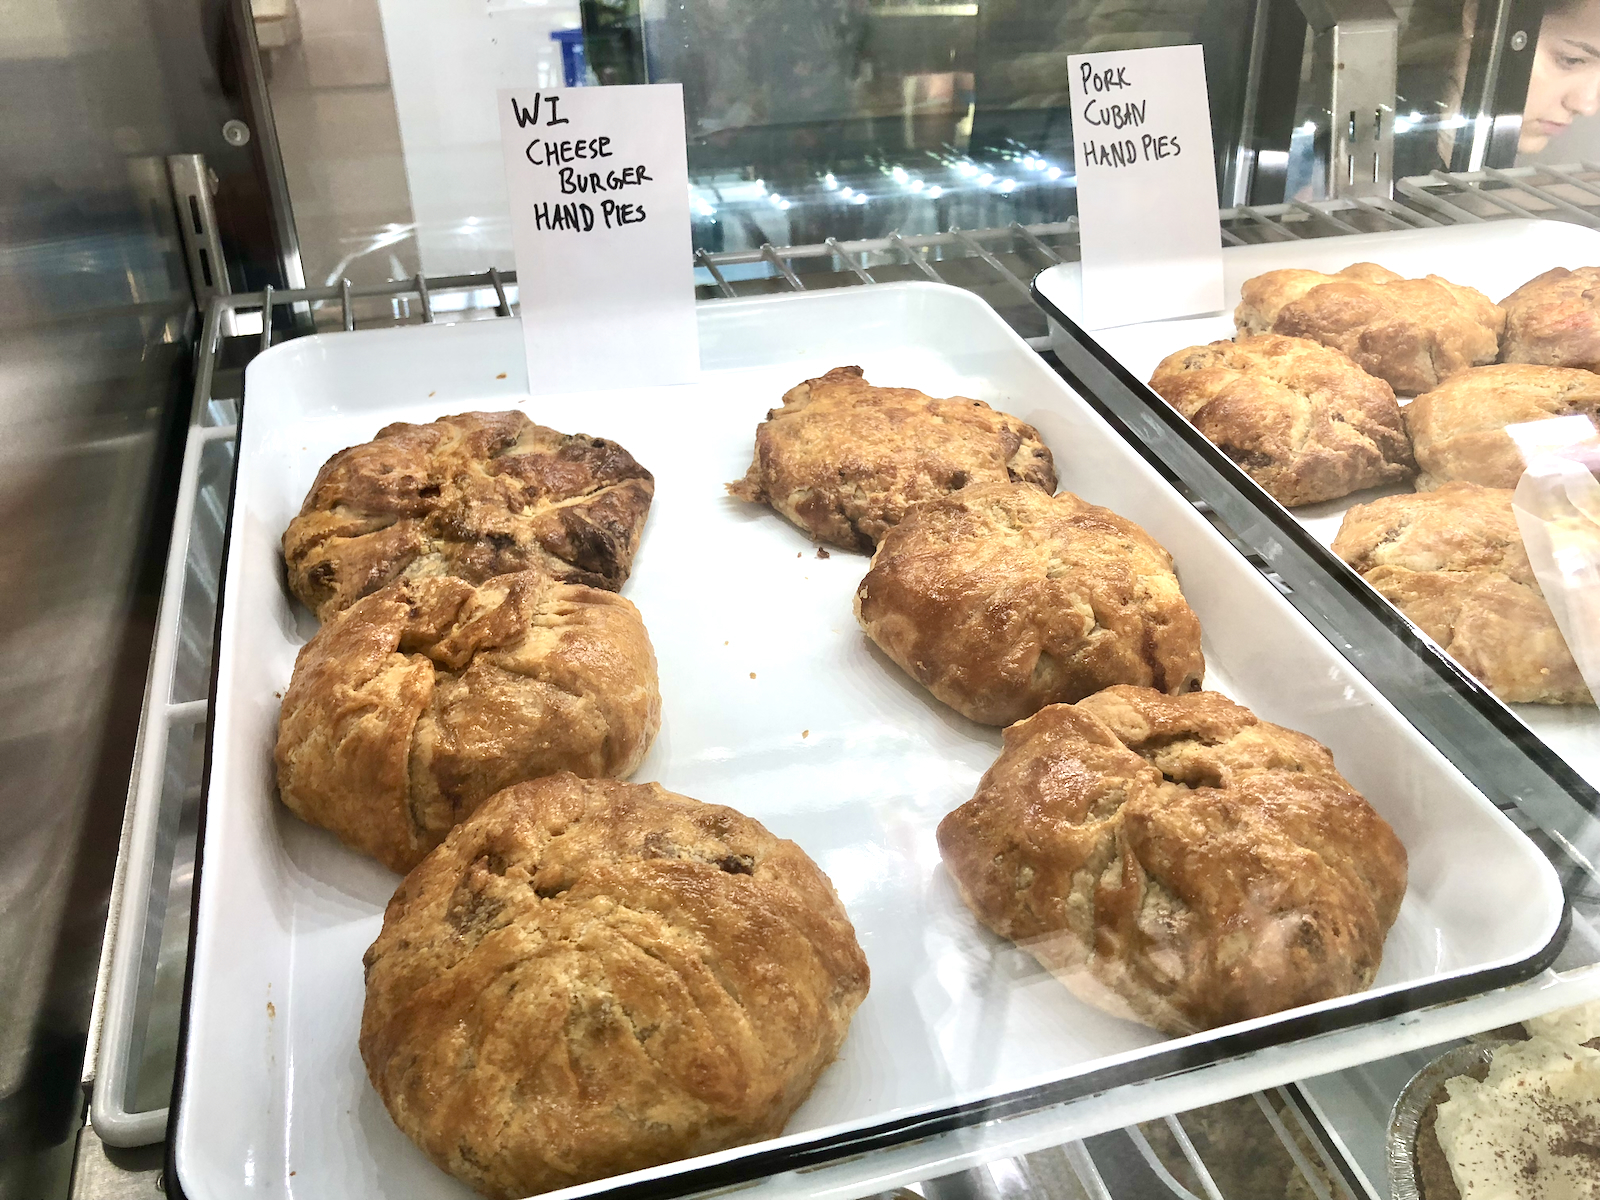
<point>1147,186</point>
<point>599,185</point>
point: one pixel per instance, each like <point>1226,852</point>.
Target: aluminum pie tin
<point>1401,1144</point>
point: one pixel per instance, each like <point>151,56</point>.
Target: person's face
<point>1565,81</point>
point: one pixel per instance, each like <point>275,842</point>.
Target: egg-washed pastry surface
<point>1528,1129</point>
<point>1452,560</point>
<point>1300,419</point>
<point>415,705</point>
<point>592,977</point>
<point>1177,861</point>
<point>1458,430</point>
<point>1001,599</point>
<point>475,495</point>
<point>844,460</point>
<point>1554,319</point>
<point>1411,333</point>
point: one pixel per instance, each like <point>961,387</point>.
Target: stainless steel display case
<point>1328,1128</point>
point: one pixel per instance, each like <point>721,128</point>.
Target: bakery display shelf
<point>965,1049</point>
<point>128,1067</point>
<point>129,1099</point>
<point>1528,760</point>
<point>1557,767</point>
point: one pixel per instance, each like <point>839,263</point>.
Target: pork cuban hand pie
<point>1452,560</point>
<point>1458,430</point>
<point>475,495</point>
<point>1554,320</point>
<point>1177,861</point>
<point>415,705</point>
<point>1411,333</point>
<point>1301,419</point>
<point>844,460</point>
<point>592,977</point>
<point>1001,599</point>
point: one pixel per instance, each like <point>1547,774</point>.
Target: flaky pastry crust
<point>1411,333</point>
<point>592,977</point>
<point>475,495</point>
<point>1299,418</point>
<point>1554,320</point>
<point>844,460</point>
<point>1458,430</point>
<point>1177,861</point>
<point>1001,599</point>
<point>415,705</point>
<point>1452,560</point>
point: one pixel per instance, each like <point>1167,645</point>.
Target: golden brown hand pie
<point>1000,599</point>
<point>415,705</point>
<point>1452,560</point>
<point>1458,430</point>
<point>1176,861</point>
<point>1554,320</point>
<point>844,460</point>
<point>474,495</point>
<point>1412,333</point>
<point>593,977</point>
<point>1300,419</point>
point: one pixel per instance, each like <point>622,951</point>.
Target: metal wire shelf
<point>997,263</point>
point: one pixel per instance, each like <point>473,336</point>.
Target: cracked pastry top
<point>1452,560</point>
<point>1554,320</point>
<point>475,495</point>
<point>1300,419</point>
<point>1001,599</point>
<point>591,977</point>
<point>1411,333</point>
<point>844,460</point>
<point>1177,861</point>
<point>415,705</point>
<point>1458,430</point>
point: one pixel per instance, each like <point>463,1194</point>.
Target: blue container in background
<point>574,67</point>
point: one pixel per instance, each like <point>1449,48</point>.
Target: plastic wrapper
<point>1557,506</point>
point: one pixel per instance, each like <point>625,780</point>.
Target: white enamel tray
<point>775,703</point>
<point>1495,258</point>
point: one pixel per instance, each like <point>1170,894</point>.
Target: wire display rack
<point>131,1057</point>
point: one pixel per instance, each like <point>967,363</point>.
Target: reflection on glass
<point>811,119</point>
<point>1564,83</point>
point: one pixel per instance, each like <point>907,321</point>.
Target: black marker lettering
<point>1115,116</point>
<point>555,120</point>
<point>617,215</point>
<point>524,117</point>
<point>1103,81</point>
<point>575,217</point>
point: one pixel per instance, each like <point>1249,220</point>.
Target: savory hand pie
<point>1300,419</point>
<point>1412,333</point>
<point>844,460</point>
<point>1458,430</point>
<point>415,705</point>
<point>592,977</point>
<point>1452,560</point>
<point>475,495</point>
<point>1001,599</point>
<point>1554,320</point>
<point>1177,861</point>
